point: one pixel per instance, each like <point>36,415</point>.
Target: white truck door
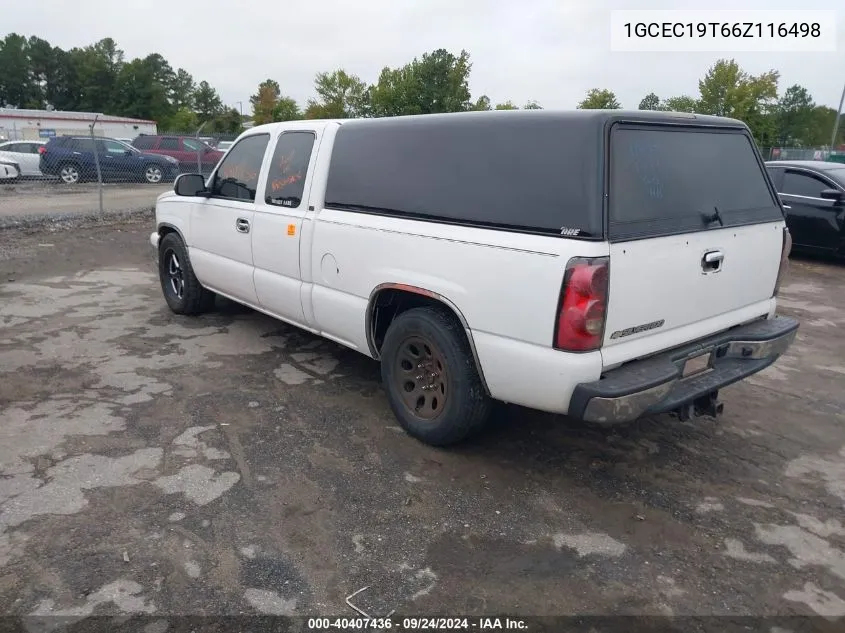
<point>279,213</point>
<point>221,224</point>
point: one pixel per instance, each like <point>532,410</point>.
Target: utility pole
<point>241,107</point>
<point>199,151</point>
<point>836,122</point>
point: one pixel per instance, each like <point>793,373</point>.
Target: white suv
<point>602,264</point>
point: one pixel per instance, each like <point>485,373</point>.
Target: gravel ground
<point>228,464</point>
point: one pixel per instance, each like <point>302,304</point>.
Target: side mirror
<point>832,194</point>
<point>189,185</point>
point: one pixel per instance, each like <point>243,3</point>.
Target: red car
<point>186,149</point>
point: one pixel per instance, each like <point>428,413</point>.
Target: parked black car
<point>71,158</point>
<point>813,194</point>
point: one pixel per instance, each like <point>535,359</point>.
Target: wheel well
<point>167,230</point>
<point>389,303</point>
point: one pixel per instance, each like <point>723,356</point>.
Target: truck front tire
<point>430,377</point>
<point>182,290</point>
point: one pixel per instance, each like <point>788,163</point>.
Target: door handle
<point>712,262</point>
<point>786,206</point>
<point>242,225</point>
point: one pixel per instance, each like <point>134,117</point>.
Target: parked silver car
<point>24,154</point>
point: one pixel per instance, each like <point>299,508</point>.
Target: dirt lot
<point>231,464</point>
<point>32,198</point>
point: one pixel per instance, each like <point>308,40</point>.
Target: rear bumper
<point>656,385</point>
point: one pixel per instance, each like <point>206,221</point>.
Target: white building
<point>18,125</point>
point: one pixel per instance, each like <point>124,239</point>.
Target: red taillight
<point>583,305</point>
<point>42,150</point>
<point>786,248</point>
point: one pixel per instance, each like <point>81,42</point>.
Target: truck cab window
<point>237,176</point>
<point>286,180</point>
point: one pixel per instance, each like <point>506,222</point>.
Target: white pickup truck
<point>607,265</point>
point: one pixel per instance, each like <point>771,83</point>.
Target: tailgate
<point>664,283</point>
<point>696,235</point>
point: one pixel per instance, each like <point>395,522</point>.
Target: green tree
<point>96,78</point>
<point>532,105</point>
<point>680,104</point>
<point>727,90</point>
<point>62,89</point>
<point>396,92</point>
<point>183,120</point>
<point>18,87</point>
<point>264,101</point>
<point>339,96</point>
<point>650,102</point>
<point>795,116</point>
<point>436,82</point>
<point>143,89</point>
<point>181,89</point>
<point>444,80</point>
<point>482,104</point>
<point>821,127</point>
<point>227,121</point>
<point>599,99</point>
<point>286,110</point>
<point>96,69</point>
<point>42,70</point>
<point>207,103</point>
<point>507,105</point>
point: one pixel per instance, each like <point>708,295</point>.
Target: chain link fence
<point>92,173</point>
<point>803,153</point>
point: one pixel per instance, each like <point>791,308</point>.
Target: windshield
<point>195,145</point>
<point>837,174</point>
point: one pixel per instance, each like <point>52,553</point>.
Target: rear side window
<point>666,181</point>
<point>144,142</point>
<point>169,143</point>
<point>286,179</point>
<point>82,145</point>
<point>237,175</point>
<point>537,174</point>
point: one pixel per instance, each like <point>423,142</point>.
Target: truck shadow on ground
<point>649,462</point>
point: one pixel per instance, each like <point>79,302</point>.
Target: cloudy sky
<point>551,51</point>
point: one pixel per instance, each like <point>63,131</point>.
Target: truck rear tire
<point>430,377</point>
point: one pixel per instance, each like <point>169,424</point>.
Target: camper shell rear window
<point>667,180</point>
<point>534,172</point>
